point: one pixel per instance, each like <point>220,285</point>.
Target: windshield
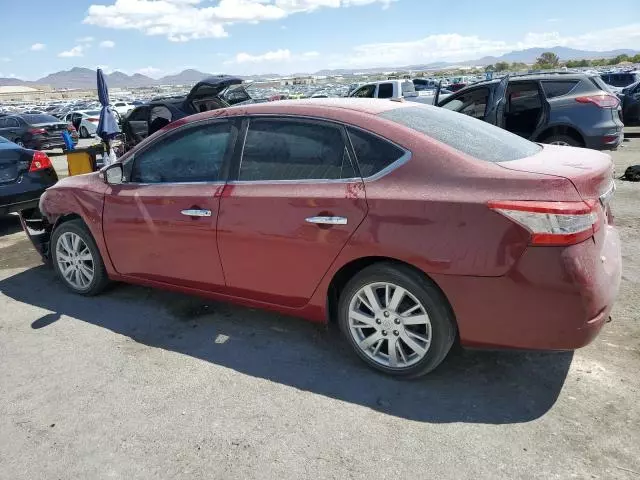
<point>468,135</point>
<point>33,118</point>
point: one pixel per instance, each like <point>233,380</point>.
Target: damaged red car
<point>412,227</point>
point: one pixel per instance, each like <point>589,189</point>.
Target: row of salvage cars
<point>410,226</point>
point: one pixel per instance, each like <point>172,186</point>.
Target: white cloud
<point>455,47</point>
<point>275,56</point>
<point>107,44</point>
<point>184,20</point>
<point>149,71</point>
<point>5,59</point>
<point>37,47</point>
<point>553,20</point>
<point>85,39</point>
<point>77,51</point>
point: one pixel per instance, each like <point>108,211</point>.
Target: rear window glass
<point>558,89</point>
<point>598,82</point>
<point>468,135</point>
<point>39,118</point>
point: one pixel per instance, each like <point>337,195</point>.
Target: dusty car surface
<point>412,226</point>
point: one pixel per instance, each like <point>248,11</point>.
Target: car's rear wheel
<point>84,133</point>
<point>76,259</point>
<point>396,320</point>
<point>564,140</point>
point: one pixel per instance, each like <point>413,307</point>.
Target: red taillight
<point>603,100</point>
<point>93,119</point>
<point>553,223</point>
<point>37,131</point>
<point>40,162</point>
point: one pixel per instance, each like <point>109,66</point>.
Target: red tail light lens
<point>40,162</point>
<point>93,119</point>
<point>37,131</point>
<point>553,223</point>
<point>603,100</point>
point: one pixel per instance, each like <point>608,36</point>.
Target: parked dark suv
<point>558,108</point>
<point>620,79</point>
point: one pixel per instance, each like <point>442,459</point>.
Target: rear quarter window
<point>467,135</point>
<point>558,88</point>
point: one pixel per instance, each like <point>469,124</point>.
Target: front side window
<point>365,92</point>
<point>473,103</point>
<point>277,149</point>
<point>138,115</point>
<point>192,155</point>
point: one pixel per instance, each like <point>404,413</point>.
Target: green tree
<point>547,60</point>
<point>516,66</point>
<point>502,66</point>
<point>490,68</point>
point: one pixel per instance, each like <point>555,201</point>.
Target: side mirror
<point>112,174</point>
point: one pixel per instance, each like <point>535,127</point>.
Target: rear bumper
<point>608,140</point>
<point>5,209</point>
<point>555,298</point>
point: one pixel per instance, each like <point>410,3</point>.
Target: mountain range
<point>85,78</point>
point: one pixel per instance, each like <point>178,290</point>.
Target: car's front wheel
<point>84,133</point>
<point>396,320</point>
<point>76,259</point>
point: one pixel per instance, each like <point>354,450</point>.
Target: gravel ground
<point>139,383</point>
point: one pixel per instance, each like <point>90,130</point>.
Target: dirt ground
<point>138,383</point>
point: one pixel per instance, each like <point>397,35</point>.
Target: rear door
<point>10,129</point>
<point>527,109</point>
<point>497,103</point>
<point>161,224</point>
<point>295,201</point>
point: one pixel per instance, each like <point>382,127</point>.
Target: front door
<point>161,224</point>
<point>296,202</point>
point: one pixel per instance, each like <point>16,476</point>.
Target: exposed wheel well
<point>561,130</point>
<point>66,218</point>
<point>347,272</point>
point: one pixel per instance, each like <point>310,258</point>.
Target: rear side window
<point>558,89</point>
<point>139,114</point>
<point>277,149</point>
<point>467,135</point>
<point>473,103</point>
<point>385,90</point>
<point>193,155</point>
<point>373,154</point>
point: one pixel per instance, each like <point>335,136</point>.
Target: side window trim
<point>224,169</point>
<point>236,162</point>
<point>404,158</point>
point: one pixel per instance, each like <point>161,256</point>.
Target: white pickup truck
<point>394,89</point>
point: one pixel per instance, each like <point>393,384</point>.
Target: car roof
<point>372,106</point>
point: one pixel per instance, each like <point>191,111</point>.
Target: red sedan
<point>411,226</point>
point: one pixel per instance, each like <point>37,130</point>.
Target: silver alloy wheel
<point>389,325</point>
<point>75,261</point>
<point>560,142</point>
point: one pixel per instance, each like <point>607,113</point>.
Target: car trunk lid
<point>212,87</point>
<point>13,162</point>
<point>590,172</point>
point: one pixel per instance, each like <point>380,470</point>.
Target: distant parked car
<point>620,79</point>
<point>84,121</point>
<point>410,226</point>
<point>24,175</point>
<point>631,104</point>
<point>562,109</point>
<point>37,131</point>
<point>209,94</point>
<point>123,108</point>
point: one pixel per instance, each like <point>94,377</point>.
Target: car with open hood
<point>210,93</point>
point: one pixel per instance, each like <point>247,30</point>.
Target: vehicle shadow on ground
<point>473,387</point>
<point>9,224</point>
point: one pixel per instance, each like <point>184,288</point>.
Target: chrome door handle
<point>193,212</point>
<point>327,220</point>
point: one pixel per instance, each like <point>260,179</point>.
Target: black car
<point>573,109</point>
<point>209,94</point>
<point>631,104</point>
<point>24,176</point>
<point>37,131</point>
<point>620,79</point>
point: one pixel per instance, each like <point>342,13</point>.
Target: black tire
<point>84,133</point>
<point>100,278</point>
<point>562,139</point>
<point>443,326</point>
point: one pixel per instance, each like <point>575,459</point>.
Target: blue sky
<point>159,37</point>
